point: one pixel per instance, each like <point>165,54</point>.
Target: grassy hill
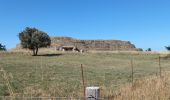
<point>59,74</point>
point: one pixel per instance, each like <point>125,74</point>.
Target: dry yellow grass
<point>152,88</point>
<point>59,74</point>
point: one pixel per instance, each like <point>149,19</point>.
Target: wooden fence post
<point>82,73</point>
<point>132,70</point>
<point>160,69</point>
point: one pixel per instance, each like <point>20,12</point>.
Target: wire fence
<point>47,98</point>
<point>49,75</point>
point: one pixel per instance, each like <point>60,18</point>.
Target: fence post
<point>82,73</point>
<point>92,93</point>
<point>160,69</point>
<point>132,70</point>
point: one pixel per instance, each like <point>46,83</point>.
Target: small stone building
<point>69,48</point>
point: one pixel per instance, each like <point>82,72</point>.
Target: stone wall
<point>102,45</point>
<point>87,45</point>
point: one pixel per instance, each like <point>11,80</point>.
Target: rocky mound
<point>103,45</point>
<point>87,45</point>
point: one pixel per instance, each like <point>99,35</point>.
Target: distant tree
<point>34,39</point>
<point>149,49</point>
<point>140,49</point>
<point>2,47</point>
<point>168,48</point>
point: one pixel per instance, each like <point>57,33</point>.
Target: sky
<point>145,23</point>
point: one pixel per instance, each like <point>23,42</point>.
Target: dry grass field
<point>59,74</point>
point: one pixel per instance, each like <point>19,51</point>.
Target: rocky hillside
<point>87,45</point>
<point>103,45</point>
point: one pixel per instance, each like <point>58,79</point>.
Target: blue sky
<point>146,23</point>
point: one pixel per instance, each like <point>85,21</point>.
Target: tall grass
<point>149,88</point>
<point>59,74</point>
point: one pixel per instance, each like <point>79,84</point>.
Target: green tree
<point>168,48</point>
<point>140,49</point>
<point>34,39</point>
<point>149,49</point>
<point>2,47</point>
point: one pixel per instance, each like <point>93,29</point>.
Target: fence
<point>57,81</point>
<point>47,98</point>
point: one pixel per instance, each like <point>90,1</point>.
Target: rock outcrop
<point>90,45</point>
<point>86,45</point>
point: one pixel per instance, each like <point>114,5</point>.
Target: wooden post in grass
<point>132,71</point>
<point>160,69</point>
<point>83,80</point>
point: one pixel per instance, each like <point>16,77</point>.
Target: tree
<point>168,48</point>
<point>34,39</point>
<point>149,49</point>
<point>140,49</point>
<point>2,47</point>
